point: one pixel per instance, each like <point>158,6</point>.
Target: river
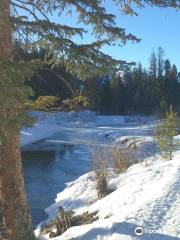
<point>46,173</point>
<point>50,163</point>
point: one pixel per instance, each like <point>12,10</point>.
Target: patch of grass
<point>65,220</point>
<point>100,157</point>
<point>121,159</point>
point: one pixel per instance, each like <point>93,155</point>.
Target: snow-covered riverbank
<point>85,122</point>
<point>146,195</point>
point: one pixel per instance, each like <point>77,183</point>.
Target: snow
<point>147,194</point>
<point>38,132</point>
<point>50,123</point>
<point>82,122</point>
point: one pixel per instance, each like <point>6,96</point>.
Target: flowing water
<point>46,173</point>
<point>50,163</point>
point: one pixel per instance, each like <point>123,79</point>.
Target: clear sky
<point>155,26</point>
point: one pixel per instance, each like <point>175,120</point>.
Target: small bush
<point>165,134</point>
<point>43,103</point>
<point>120,159</point>
<point>123,158</point>
<point>105,159</point>
<point>65,220</point>
<point>100,157</point>
<point>101,183</point>
<point>76,103</point>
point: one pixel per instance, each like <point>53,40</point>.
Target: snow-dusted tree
<point>30,22</point>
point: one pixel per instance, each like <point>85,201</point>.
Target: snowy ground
<point>146,195</point>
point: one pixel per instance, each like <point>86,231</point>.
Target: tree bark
<point>13,204</point>
<point>5,30</point>
<point>15,220</point>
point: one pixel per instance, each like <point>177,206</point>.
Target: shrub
<point>105,159</point>
<point>165,134</point>
<point>121,159</point>
<point>100,158</point>
<point>43,103</point>
<point>66,219</point>
<point>76,103</point>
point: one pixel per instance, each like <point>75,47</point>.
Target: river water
<point>46,173</point>
<point>50,163</point>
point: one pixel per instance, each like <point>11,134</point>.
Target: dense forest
<point>139,90</point>
<point>133,90</point>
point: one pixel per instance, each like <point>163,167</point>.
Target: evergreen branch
<point>36,7</point>
<point>164,3</point>
<point>25,8</point>
<point>61,78</point>
<point>44,25</point>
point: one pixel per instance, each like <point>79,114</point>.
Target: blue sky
<point>155,26</point>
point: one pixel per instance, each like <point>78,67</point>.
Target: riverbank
<point>85,122</point>
<point>147,194</point>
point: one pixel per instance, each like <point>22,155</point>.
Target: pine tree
<point>166,133</point>
<point>160,62</point>
<point>92,92</point>
<point>137,80</point>
<point>106,97</point>
<point>29,22</point>
<point>167,68</point>
<point>173,86</point>
<point>128,83</point>
<point>153,83</point>
<point>153,66</point>
<point>118,96</point>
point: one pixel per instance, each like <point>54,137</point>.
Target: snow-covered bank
<point>111,126</point>
<point>146,195</point>
<point>49,123</point>
<point>37,133</point>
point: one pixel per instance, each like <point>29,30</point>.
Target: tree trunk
<point>13,204</point>
<point>15,220</point>
<point>5,30</point>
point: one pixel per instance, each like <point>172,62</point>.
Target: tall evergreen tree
<point>118,94</point>
<point>167,68</point>
<point>173,86</point>
<point>92,92</point>
<point>140,102</point>
<point>153,83</point>
<point>160,62</point>
<point>153,66</point>
<point>106,97</point>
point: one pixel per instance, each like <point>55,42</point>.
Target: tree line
<point>133,90</point>
<point>137,89</point>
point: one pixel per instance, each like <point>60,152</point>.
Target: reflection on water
<point>46,173</point>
